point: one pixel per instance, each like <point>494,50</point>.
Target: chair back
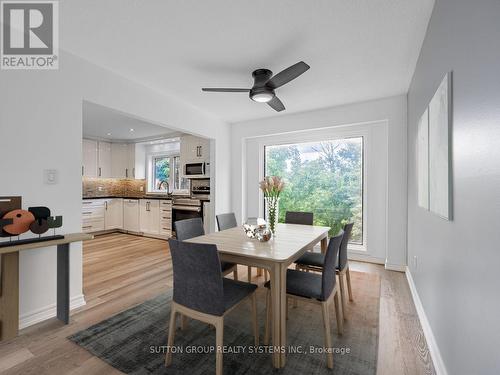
<point>188,228</point>
<point>198,281</point>
<point>343,246</point>
<point>226,221</point>
<point>328,277</point>
<point>297,217</point>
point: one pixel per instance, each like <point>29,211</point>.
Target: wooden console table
<point>9,287</point>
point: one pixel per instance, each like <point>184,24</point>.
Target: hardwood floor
<point>120,271</point>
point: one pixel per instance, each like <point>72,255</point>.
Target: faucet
<point>161,184</point>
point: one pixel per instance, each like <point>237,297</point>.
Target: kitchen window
<point>165,175</point>
<point>323,177</point>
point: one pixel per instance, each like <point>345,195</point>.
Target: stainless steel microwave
<point>197,170</point>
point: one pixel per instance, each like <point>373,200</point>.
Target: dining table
<point>289,242</point>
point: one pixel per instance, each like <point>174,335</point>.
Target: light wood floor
<point>120,271</point>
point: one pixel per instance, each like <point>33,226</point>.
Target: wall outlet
<point>415,262</point>
<point>50,176</point>
<point>141,188</point>
<point>99,188</point>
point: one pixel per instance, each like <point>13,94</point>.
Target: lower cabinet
<point>149,216</point>
<point>113,213</point>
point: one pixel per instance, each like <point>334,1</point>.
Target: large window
<point>325,178</point>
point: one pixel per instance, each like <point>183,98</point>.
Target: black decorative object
<point>15,221</point>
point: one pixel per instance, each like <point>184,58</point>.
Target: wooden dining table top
<point>289,239</point>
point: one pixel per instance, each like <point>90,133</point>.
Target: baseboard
<point>47,312</point>
<point>395,267</point>
<point>426,327</point>
<point>365,258</point>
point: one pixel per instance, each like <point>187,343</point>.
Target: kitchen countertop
<point>168,197</point>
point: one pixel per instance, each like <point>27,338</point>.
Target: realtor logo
<point>30,35</point>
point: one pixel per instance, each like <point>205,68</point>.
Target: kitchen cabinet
<point>149,216</point>
<point>130,173</point>
<point>119,160</point>
<point>166,218</point>
<point>131,215</point>
<point>89,158</point>
<point>104,157</point>
<point>194,149</point>
<point>92,215</point>
<point>113,213</point>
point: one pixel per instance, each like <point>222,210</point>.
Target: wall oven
<point>186,208</point>
<point>197,170</point>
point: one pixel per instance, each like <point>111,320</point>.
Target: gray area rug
<point>134,341</point>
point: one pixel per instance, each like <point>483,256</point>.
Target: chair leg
<point>268,317</point>
<point>328,334</point>
<point>184,322</point>
<point>254,319</point>
<point>340,321</point>
<point>219,344</point>
<point>342,293</point>
<point>349,289</point>
<point>249,272</point>
<point>171,337</point>
<point>235,274</point>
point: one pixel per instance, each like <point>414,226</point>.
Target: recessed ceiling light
<point>109,134</point>
<point>131,129</point>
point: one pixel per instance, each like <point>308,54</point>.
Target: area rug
<point>134,341</point>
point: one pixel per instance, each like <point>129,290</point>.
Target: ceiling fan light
<point>262,97</point>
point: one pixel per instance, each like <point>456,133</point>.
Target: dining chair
<point>297,217</point>
<point>189,228</point>
<point>228,221</point>
<point>313,288</point>
<point>201,293</point>
<point>315,262</point>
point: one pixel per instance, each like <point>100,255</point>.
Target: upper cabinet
<point>194,149</point>
<point>89,158</point>
<point>104,166</point>
<point>108,160</point>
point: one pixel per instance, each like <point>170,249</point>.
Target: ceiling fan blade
<point>276,104</point>
<point>287,75</point>
<point>224,90</point>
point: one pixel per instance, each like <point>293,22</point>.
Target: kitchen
<point>139,178</point>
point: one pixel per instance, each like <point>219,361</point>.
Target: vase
<point>273,207</point>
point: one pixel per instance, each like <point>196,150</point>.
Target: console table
<point>9,286</point>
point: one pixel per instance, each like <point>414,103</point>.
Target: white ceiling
<point>103,123</point>
<point>357,49</point>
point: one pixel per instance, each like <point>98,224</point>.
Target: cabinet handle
<point>106,206</point>
<point>100,172</point>
<point>83,170</point>
<point>126,172</point>
<point>87,227</point>
<point>86,213</point>
<point>133,172</point>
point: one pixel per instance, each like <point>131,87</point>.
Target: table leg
<point>278,301</point>
<point>63,283</point>
<point>324,244</point>
<point>9,296</point>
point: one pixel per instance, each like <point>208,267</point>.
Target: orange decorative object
<point>22,221</point>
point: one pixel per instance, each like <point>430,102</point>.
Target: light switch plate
<point>50,176</point>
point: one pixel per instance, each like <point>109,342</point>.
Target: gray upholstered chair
<point>228,221</point>
<point>314,288</point>
<point>189,228</point>
<point>315,262</point>
<point>201,293</point>
<point>297,217</point>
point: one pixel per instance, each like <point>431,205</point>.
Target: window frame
<point>331,135</point>
<point>151,173</point>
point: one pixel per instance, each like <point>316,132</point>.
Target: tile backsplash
<point>112,187</point>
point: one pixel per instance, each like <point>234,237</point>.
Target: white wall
<point>391,111</point>
<point>41,127</point>
<point>456,273</point>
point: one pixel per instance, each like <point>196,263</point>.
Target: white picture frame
<point>423,160</point>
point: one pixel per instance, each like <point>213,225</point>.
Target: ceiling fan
<point>265,84</point>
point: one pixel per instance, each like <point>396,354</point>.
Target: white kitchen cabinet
<point>149,216</point>
<point>119,160</point>
<point>92,215</point>
<point>131,215</point>
<point>113,213</point>
<point>130,172</point>
<point>194,149</point>
<point>104,164</point>
<point>166,218</point>
<point>89,158</point>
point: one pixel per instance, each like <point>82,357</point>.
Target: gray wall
<point>458,269</point>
